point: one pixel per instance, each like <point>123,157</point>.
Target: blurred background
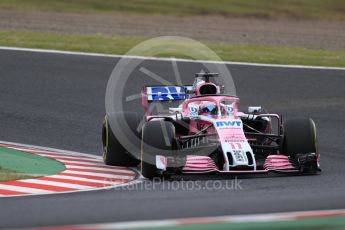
<point>309,32</point>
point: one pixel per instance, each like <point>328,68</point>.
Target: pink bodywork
<point>199,163</point>
<point>205,163</point>
<point>144,99</point>
<point>224,133</point>
<point>202,164</point>
<point>278,162</point>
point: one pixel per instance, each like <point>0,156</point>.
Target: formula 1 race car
<point>206,133</point>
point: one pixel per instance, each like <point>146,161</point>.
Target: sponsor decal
<point>230,138</point>
<point>230,110</point>
<point>228,124</point>
<point>166,93</point>
<point>239,156</point>
<point>193,110</point>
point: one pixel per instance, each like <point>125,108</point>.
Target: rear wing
<point>160,94</point>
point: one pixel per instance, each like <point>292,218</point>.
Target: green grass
<point>94,43</point>
<point>228,52</point>
<point>7,175</point>
<point>275,9</point>
<point>321,223</point>
<point>15,165</point>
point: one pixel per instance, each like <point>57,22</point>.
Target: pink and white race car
<point>206,133</point>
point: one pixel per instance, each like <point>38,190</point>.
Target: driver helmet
<point>208,108</point>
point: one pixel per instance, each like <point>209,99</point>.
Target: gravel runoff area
<point>308,34</point>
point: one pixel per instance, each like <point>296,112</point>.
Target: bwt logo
<point>168,93</point>
<point>228,123</point>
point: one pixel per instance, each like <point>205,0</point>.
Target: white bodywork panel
<point>233,142</point>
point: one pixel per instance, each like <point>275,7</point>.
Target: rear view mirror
<point>254,109</point>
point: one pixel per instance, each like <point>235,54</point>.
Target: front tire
<point>156,135</point>
<point>113,152</point>
<point>300,143</point>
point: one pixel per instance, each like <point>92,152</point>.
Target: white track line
<point>167,59</point>
<point>101,164</point>
<point>77,158</point>
<point>34,147</point>
<point>77,162</point>
<point>96,165</point>
<point>113,170</point>
<point>51,154</point>
<point>69,155</point>
<point>98,169</point>
<point>110,176</point>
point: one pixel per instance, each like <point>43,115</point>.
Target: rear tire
<point>113,152</point>
<point>156,135</point>
<point>300,143</point>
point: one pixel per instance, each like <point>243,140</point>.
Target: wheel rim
<point>104,153</point>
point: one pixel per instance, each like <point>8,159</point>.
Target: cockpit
<point>213,107</point>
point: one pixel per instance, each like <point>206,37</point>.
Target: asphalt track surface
<point>57,100</point>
